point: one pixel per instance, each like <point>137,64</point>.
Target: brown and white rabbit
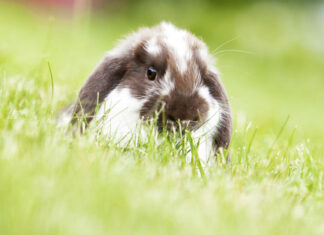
<point>162,65</point>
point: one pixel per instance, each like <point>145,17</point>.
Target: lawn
<point>271,57</point>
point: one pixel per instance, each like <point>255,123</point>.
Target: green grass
<point>272,65</point>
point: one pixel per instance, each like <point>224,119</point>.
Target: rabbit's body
<point>160,68</point>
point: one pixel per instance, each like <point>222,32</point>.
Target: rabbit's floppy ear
<point>100,83</point>
<point>224,129</point>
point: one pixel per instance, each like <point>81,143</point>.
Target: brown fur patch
<point>224,132</point>
<point>99,84</point>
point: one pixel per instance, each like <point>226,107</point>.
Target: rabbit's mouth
<point>177,126</point>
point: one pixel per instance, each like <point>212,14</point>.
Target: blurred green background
<point>271,58</point>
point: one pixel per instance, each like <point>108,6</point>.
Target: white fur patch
<point>177,41</point>
<point>64,118</point>
<point>207,131</point>
<point>152,47</point>
<point>166,84</point>
<point>119,116</point>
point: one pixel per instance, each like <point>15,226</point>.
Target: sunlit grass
<point>54,183</point>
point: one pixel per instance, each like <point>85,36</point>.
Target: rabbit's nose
<point>181,118</point>
<point>182,111</point>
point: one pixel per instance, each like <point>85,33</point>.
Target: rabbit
<point>153,68</point>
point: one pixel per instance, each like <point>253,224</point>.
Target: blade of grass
<point>278,136</point>
<point>249,146</point>
<point>195,161</point>
<point>52,79</point>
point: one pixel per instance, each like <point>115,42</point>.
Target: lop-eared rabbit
<point>154,68</point>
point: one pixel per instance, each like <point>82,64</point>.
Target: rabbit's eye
<point>151,73</point>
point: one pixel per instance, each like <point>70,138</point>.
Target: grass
<point>272,65</point>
